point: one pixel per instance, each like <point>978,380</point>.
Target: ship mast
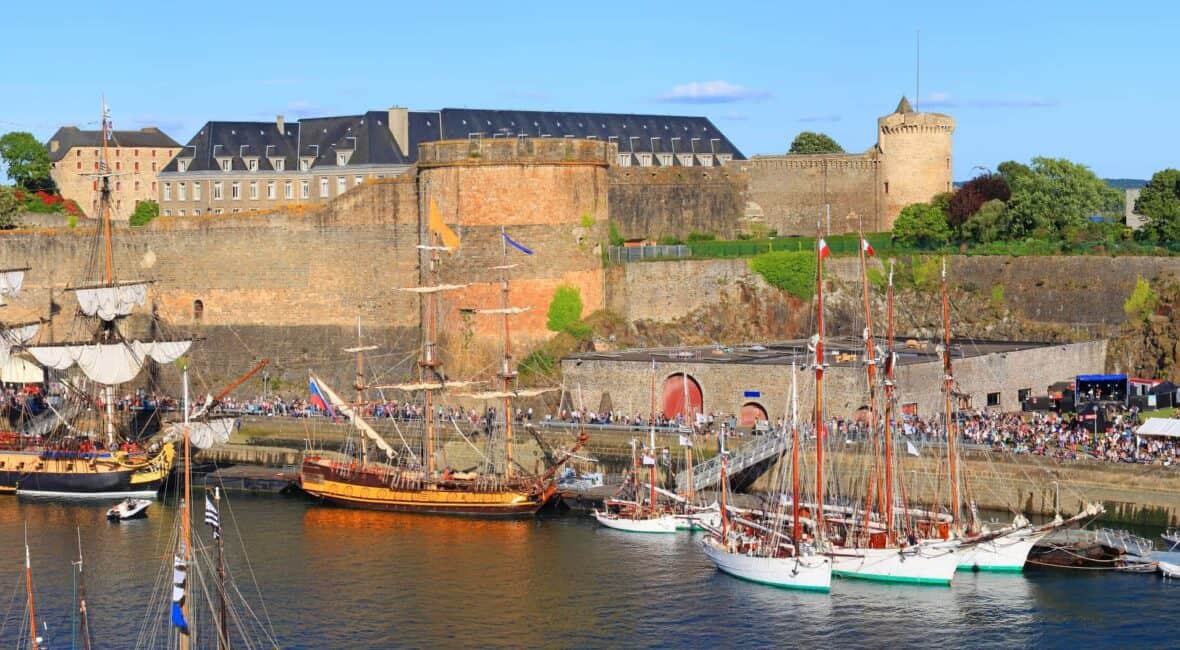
<point>819,383</point>
<point>796,531</point>
<point>83,623</point>
<point>429,363</point>
<point>890,533</point>
<point>186,518</point>
<point>34,641</point>
<point>360,382</point>
<point>651,445</point>
<point>690,493</point>
<point>507,374</point>
<point>870,368</point>
<point>223,627</point>
<point>106,192</point>
<point>948,394</point>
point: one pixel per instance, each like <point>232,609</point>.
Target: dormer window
<point>342,157</point>
<point>305,164</point>
<point>706,159</point>
<point>181,165</point>
<point>685,159</point>
<point>665,159</point>
<point>279,164</point>
<point>226,164</point>
<point>644,159</point>
<point>624,160</point>
<point>252,164</point>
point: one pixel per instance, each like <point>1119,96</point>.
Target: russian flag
<point>317,398</point>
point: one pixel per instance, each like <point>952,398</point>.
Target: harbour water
<point>335,578</point>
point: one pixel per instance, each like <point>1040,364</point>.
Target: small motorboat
<point>129,509</point>
<point>1172,537</point>
<point>1169,570</point>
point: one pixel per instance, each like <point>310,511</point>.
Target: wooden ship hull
<point>98,475</point>
<point>388,489</point>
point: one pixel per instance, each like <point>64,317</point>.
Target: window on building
<point>167,213</point>
<point>217,190</point>
<point>304,189</point>
<point>288,190</point>
<point>1023,394</point>
<point>198,310</point>
<point>94,185</point>
<point>993,399</point>
<point>227,164</point>
<point>153,164</point>
<point>96,166</point>
<point>153,187</point>
<point>153,153</point>
<point>253,165</point>
<point>137,153</point>
<point>270,190</point>
<point>181,166</point>
<point>253,190</point>
<point>280,164</point>
<point>78,153</point>
<point>218,211</point>
<point>181,192</point>
<point>323,187</point>
<point>167,191</point>
<point>79,163</point>
<point>886,187</point>
<point>180,212</point>
<point>136,186</point>
<point>196,212</point>
<point>118,166</point>
<point>197,191</point>
<point>235,210</point>
<point>358,180</point>
<point>235,191</point>
<point>341,185</point>
<point>136,165</point>
<point>118,185</point>
<point>304,164</point>
<point>341,158</point>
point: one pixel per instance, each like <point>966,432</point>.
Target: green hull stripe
<point>934,582</point>
<point>1008,568</point>
<point>775,584</point>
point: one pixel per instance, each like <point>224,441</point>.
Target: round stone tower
<point>916,151</point>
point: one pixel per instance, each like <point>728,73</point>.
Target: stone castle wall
<point>652,202</point>
<point>916,148</point>
<point>792,193</point>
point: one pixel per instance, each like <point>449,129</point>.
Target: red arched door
<point>674,393</point>
<point>752,412</point>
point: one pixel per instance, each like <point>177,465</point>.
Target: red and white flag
<point>864,244</point>
<point>824,251</point>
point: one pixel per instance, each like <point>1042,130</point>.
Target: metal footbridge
<point>708,473</point>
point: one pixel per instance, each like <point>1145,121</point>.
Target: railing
<point>757,450</point>
<point>636,253</point>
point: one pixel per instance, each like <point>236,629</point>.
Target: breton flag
<point>685,441</point>
<point>824,251</point>
<point>212,517</point>
<point>864,244</point>
<point>515,244</point>
<point>911,449</point>
<point>436,225</point>
<point>179,577</point>
<point>317,398</point>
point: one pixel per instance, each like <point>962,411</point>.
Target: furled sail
<point>504,310</point>
<point>11,281</point>
<point>204,434</point>
<point>356,419</point>
<point>426,385</point>
<point>109,303</point>
<point>524,392</point>
<point>108,363</point>
<point>13,336</point>
<point>433,289</point>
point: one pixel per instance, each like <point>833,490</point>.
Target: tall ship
<point>409,479</point>
<point>75,444</point>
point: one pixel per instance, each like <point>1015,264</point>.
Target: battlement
<point>916,123</point>
<point>834,161</point>
<point>535,151</point>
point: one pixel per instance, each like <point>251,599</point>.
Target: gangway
<point>708,473</point>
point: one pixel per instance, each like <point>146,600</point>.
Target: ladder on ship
<point>708,473</point>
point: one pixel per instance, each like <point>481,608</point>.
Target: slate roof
<point>370,141</point>
<point>69,137</point>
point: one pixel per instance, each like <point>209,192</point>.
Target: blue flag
<point>516,245</point>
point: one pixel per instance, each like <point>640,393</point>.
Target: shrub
<point>1142,302</point>
<point>791,271</point>
<point>670,240</point>
<point>613,234</point>
<point>921,225</point>
<point>700,236</point>
<point>145,211</point>
<point>587,220</point>
<point>565,309</point>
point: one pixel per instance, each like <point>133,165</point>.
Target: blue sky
<point>1092,82</point>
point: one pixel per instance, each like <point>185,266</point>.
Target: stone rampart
<point>653,202</point>
<point>792,193</point>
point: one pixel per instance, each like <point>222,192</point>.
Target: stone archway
<point>674,394</point>
<point>752,412</point>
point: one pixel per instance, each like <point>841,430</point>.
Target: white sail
<point>204,435</point>
<point>526,392</point>
<point>14,336</point>
<point>356,419</point>
<point>427,385</point>
<point>109,363</point>
<point>109,303</point>
<point>11,281</point>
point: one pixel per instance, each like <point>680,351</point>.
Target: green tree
<point>1142,302</point>
<point>9,207</point>
<point>791,271</point>
<point>1053,193</point>
<point>1159,203</point>
<point>922,225</point>
<point>144,212</point>
<point>989,224</point>
<point>565,311</point>
<point>26,160</point>
<point>812,142</point>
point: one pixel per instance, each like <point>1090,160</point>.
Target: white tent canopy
<point>1160,428</point>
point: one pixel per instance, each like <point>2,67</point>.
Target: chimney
<point>54,145</point>
<point>399,126</point>
<point>280,123</point>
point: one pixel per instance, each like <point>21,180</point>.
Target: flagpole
<point>186,523</point>
<point>223,631</point>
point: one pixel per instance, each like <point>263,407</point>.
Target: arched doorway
<point>752,413</point>
<point>675,388</point>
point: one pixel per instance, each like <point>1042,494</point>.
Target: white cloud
<point>712,92</point>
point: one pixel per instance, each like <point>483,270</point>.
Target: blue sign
<point>752,393</point>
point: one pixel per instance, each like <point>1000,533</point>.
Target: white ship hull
<point>809,573</point>
<point>923,564</point>
<point>661,524</point>
<point>708,519</point>
<point>1004,554</point>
